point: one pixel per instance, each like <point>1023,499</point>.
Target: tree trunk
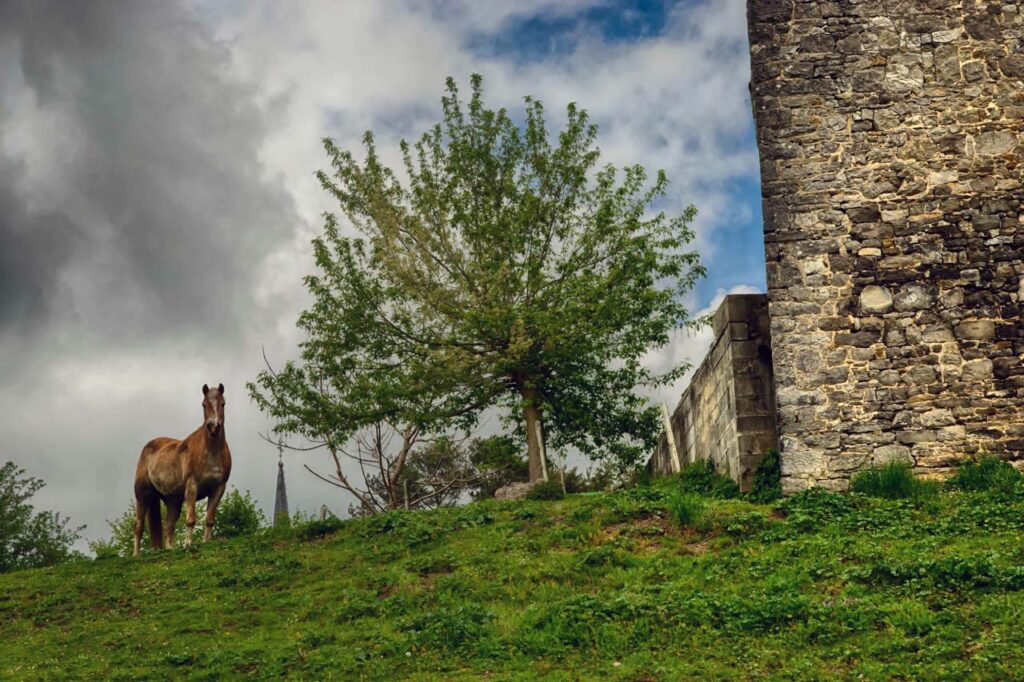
<point>534,422</point>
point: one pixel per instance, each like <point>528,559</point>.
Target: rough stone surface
<point>513,491</point>
<point>727,413</point>
<point>891,137</point>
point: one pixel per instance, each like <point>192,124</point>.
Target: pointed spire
<point>281,499</point>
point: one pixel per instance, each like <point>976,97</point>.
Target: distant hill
<point>604,586</point>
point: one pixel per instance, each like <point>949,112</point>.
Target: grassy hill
<point>589,587</point>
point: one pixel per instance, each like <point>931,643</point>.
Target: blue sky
<point>737,254</point>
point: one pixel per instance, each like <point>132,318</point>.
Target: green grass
<point>893,481</point>
<point>817,586</point>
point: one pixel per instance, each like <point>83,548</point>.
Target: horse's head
<point>213,409</point>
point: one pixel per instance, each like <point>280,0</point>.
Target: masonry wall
<point>727,412</point>
<point>891,136</point>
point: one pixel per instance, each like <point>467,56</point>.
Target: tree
<point>29,539</point>
<point>499,461</point>
<point>510,271</point>
<point>399,468</point>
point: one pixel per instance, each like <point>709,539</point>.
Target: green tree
<point>29,539</point>
<point>498,461</point>
<point>511,270</point>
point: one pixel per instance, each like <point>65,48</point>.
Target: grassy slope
<point>588,587</point>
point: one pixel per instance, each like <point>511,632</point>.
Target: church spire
<point>281,499</point>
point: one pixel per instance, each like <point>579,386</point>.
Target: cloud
<point>143,208</point>
<point>157,194</point>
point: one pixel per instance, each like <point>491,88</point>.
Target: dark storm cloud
<point>158,214</point>
<point>32,250</point>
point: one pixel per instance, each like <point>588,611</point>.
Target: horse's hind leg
<point>173,512</point>
<point>140,519</point>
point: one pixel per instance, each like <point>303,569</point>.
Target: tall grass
<point>986,473</point>
<point>894,481</point>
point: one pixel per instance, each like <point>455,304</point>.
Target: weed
<point>767,478</point>
<point>987,473</point>
<point>546,490</point>
<point>894,481</point>
<point>687,510</point>
<point>700,477</point>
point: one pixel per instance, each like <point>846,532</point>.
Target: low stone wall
<point>727,413</point>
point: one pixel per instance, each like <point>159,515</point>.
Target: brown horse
<point>181,472</point>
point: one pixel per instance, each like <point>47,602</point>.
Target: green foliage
<point>498,461</point>
<point>837,586</point>
<point>505,267</point>
<point>546,490</point>
<point>687,509</point>
<point>986,473</point>
<point>700,477</point>
<point>767,478</point>
<point>121,542</point>
<point>28,538</point>
<point>893,481</point>
<point>238,515</point>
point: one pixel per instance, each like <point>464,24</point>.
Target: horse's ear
<point>220,389</point>
<point>206,389</point>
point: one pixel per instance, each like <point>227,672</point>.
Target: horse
<point>182,471</point>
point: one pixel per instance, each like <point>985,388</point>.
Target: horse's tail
<point>156,529</point>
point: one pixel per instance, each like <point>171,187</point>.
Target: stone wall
<point>727,413</point>
<point>891,135</point>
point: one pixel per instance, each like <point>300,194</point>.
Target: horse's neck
<point>213,448</point>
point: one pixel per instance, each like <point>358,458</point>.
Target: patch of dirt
<point>697,548</point>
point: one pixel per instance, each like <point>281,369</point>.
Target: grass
<point>893,481</point>
<point>816,586</point>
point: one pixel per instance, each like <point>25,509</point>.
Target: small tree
<point>510,271</point>
<point>29,539</point>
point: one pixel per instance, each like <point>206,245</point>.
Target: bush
<point>700,478</point>
<point>687,509</point>
<point>546,490</point>
<point>987,473</point>
<point>238,515</point>
<point>767,478</point>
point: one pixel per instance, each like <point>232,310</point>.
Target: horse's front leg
<point>173,512</point>
<point>211,510</point>
<point>191,489</point>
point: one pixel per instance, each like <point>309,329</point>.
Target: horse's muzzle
<point>213,429</point>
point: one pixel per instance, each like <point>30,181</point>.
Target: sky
<point>157,191</point>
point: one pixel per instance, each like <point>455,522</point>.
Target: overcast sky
<point>157,195</point>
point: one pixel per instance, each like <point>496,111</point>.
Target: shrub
<point>987,473</point>
<point>28,538</point>
<point>687,509</point>
<point>546,490</point>
<point>894,481</point>
<point>238,515</point>
<point>767,478</point>
<point>700,478</point>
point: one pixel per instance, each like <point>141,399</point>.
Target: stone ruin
<point>891,136</point>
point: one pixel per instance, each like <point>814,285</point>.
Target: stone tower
<point>281,497</point>
<point>891,135</point>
